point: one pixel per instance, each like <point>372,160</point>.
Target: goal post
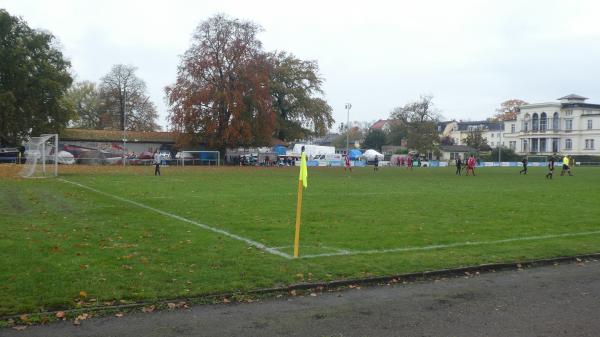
<point>200,157</point>
<point>40,153</point>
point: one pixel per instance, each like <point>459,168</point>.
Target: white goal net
<point>41,154</point>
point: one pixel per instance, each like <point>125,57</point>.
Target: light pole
<point>124,128</point>
<point>348,107</point>
<point>500,144</point>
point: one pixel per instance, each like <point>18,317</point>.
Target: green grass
<point>57,239</point>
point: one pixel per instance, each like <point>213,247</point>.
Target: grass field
<point>122,234</point>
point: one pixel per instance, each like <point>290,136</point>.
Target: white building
<point>569,126</point>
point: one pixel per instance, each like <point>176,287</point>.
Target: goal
<point>41,157</point>
<point>199,158</point>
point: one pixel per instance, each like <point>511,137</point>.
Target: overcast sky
<point>377,55</point>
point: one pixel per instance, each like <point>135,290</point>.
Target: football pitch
<point>119,234</point>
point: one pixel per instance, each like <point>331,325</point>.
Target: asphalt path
<point>555,300</point>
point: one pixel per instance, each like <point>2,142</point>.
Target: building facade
<point>569,126</point>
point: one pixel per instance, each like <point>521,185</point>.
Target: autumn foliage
<point>221,96</point>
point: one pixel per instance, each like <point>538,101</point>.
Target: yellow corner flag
<point>303,170</point>
<point>302,181</point>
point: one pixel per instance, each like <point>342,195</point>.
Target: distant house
<point>452,152</point>
<point>383,125</point>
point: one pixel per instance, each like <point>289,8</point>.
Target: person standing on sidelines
<point>156,163</point>
<point>524,170</point>
<point>347,163</point>
<point>458,166</point>
<point>550,168</point>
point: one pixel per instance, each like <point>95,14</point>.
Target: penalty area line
<point>180,218</point>
<point>451,245</point>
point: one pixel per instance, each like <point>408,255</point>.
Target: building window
<point>526,128</point>
<point>543,121</point>
<point>535,122</point>
<point>555,144</point>
<point>492,135</point>
<point>492,144</point>
<point>555,121</point>
<point>512,128</point>
<point>568,124</point>
<point>589,124</point>
<point>534,145</point>
<point>513,145</point>
<point>589,144</point>
<point>454,155</point>
<point>525,145</point>
<point>568,144</point>
<point>569,112</point>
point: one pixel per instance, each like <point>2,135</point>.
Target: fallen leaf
<point>20,327</point>
<point>76,322</point>
<point>82,294</point>
<point>60,314</point>
<point>171,306</point>
<point>293,292</point>
<point>225,300</point>
<point>84,266</point>
<point>24,317</point>
<point>519,265</point>
<point>149,308</point>
<point>313,294</point>
<point>128,267</point>
<point>182,305</point>
<point>119,314</point>
<point>83,317</point>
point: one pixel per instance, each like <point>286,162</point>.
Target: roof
<point>580,105</point>
<point>117,135</point>
<point>573,96</point>
<point>379,124</point>
<point>486,126</point>
<point>456,148</point>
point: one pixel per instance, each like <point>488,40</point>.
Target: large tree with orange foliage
<point>221,96</point>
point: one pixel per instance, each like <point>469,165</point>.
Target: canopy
<point>354,154</point>
<point>371,154</point>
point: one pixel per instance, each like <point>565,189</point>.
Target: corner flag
<point>302,181</point>
<point>303,170</point>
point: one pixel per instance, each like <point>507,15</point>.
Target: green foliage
<point>476,140</point>
<point>355,134</point>
<point>294,85</point>
<point>417,121</point>
<point>84,97</point>
<point>34,78</point>
<point>375,139</point>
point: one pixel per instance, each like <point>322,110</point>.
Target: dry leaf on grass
<point>24,317</point>
<point>149,308</point>
<point>82,294</point>
<point>20,327</point>
<point>60,314</point>
<point>119,314</point>
<point>171,306</point>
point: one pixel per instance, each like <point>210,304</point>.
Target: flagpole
<point>298,214</point>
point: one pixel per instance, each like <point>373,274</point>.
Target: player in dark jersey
<point>550,168</point>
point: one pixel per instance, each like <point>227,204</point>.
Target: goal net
<point>199,158</point>
<point>41,157</point>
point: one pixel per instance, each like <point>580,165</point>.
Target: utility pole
<point>348,107</point>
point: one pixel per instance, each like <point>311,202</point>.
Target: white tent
<point>371,154</point>
<point>313,150</point>
<point>66,158</point>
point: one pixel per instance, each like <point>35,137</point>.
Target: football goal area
<point>199,158</point>
<point>41,157</point>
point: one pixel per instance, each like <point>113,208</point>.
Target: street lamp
<point>348,107</point>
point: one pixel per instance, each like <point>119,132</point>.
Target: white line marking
<point>203,226</point>
<point>451,245</point>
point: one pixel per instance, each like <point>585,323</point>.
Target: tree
<point>124,102</point>
<point>221,95</point>
<point>375,139</point>
<point>34,77</point>
<point>508,110</point>
<point>294,85</point>
<point>355,134</point>
<point>447,140</point>
<point>476,140</point>
<point>418,121</point>
<point>84,97</point>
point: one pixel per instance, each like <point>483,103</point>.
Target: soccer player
<point>409,162</point>
<point>565,166</point>
<point>458,165</point>
<point>376,164</point>
<point>471,165</point>
<point>347,164</point>
<point>550,168</point>
<point>524,170</point>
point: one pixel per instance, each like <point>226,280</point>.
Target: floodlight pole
<point>500,145</point>
<point>348,107</point>
<point>124,127</point>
